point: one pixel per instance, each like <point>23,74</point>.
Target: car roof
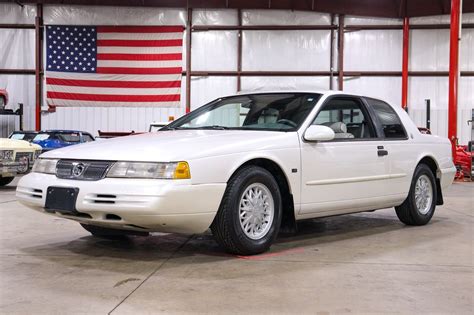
<point>63,131</point>
<point>308,91</point>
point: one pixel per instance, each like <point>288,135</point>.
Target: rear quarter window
<point>388,119</point>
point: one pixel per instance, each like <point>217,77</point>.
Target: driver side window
<point>347,118</point>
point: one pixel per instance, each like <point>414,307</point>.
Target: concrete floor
<point>363,263</point>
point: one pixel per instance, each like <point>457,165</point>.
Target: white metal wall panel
<point>429,50</point>
<point>465,107</point>
<point>214,17</point>
<point>280,17</point>
<point>109,15</point>
<point>286,50</point>
<point>14,13</point>
<point>466,55</point>
<point>8,124</point>
<point>373,50</point>
<point>206,89</point>
<point>385,88</point>
<point>360,20</point>
<point>436,89</point>
<point>441,19</point>
<point>17,49</point>
<point>284,83</point>
<point>214,50</point>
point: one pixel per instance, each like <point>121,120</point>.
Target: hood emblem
<point>78,169</point>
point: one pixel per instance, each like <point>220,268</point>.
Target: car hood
<point>49,144</point>
<point>177,145</point>
<point>14,144</point>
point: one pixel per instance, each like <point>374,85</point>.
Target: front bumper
<point>136,204</point>
<point>9,168</point>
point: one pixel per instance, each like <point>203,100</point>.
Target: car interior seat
<point>340,130</point>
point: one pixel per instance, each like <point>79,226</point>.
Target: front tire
<point>419,207</point>
<point>249,216</point>
<point>6,180</point>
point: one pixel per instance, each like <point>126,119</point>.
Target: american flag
<point>113,65</point>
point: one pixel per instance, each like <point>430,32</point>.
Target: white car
<point>245,166</point>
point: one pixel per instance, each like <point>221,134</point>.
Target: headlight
<point>174,170</point>
<point>46,166</point>
<point>6,155</point>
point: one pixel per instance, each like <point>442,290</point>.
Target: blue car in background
<point>55,139</point>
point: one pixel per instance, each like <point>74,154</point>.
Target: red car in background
<point>464,161</point>
<point>3,98</point>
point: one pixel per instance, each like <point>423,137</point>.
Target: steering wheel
<point>287,122</point>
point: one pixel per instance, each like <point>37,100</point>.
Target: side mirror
<point>318,133</point>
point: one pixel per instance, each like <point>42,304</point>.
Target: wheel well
<point>288,222</point>
<point>430,162</point>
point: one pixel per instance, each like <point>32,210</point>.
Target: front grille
<point>21,155</point>
<point>82,170</point>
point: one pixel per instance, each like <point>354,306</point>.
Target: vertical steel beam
<point>189,25</point>
<point>38,64</point>
<point>453,72</point>
<point>340,53</point>
<point>239,51</point>
<point>405,54</point>
<point>331,55</point>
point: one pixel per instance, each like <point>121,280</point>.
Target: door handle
<point>382,152</point>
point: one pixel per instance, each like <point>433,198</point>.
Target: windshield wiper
<point>215,127</point>
<point>171,128</point>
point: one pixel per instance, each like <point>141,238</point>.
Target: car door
<point>397,143</point>
<point>349,173</point>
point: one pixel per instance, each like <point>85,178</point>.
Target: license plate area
<point>61,199</point>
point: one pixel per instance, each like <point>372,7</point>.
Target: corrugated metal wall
<point>262,50</point>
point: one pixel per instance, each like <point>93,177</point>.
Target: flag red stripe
<point>118,70</point>
<point>139,43</point>
<point>139,57</point>
<point>139,29</point>
<point>114,98</point>
<point>114,84</point>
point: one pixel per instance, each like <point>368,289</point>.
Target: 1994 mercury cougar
<point>246,165</point>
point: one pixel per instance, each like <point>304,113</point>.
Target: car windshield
<point>276,111</point>
<point>70,137</point>
<point>23,136</point>
<point>41,137</point>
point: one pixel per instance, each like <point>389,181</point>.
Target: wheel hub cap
<point>423,194</point>
<point>256,211</point>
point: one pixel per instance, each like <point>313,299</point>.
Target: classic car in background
<point>245,165</point>
<point>464,161</point>
<point>27,135</point>
<point>3,98</point>
<point>55,139</point>
<point>16,157</point>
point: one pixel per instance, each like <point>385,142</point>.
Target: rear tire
<point>6,180</point>
<point>104,232</point>
<point>419,207</point>
<point>249,216</point>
